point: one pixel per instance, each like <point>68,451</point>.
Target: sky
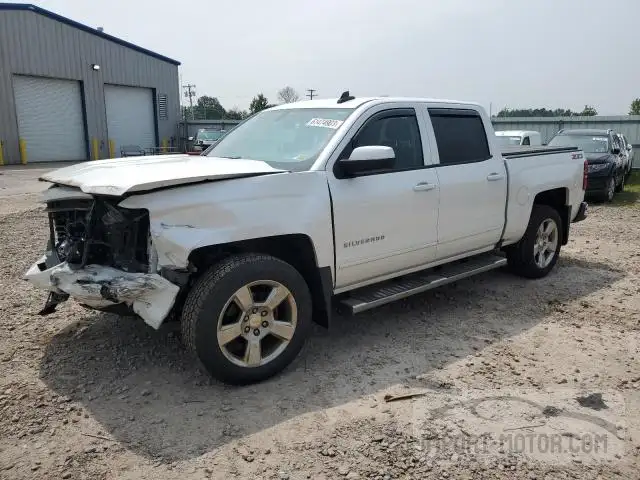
<point>500,53</point>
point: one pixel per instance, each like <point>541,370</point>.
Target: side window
<point>460,135</point>
<point>526,141</point>
<point>615,143</point>
<point>399,132</point>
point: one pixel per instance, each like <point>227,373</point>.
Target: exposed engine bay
<point>103,256</point>
<point>85,232</point>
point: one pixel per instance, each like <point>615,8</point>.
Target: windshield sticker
<point>324,122</point>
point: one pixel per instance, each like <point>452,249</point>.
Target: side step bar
<point>389,291</point>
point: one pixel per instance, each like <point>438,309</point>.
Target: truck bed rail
<point>515,151</point>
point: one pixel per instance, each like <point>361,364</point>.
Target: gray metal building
<point>73,92</point>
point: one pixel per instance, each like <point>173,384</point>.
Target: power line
<point>311,93</point>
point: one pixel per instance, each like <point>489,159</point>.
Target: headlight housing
<point>598,167</point>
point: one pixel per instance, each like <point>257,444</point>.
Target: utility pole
<point>311,93</point>
<point>190,93</point>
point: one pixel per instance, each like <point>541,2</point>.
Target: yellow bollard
<point>165,145</point>
<point>23,151</point>
<point>1,152</point>
<point>96,154</point>
<point>112,149</point>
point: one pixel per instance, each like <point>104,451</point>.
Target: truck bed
<point>515,151</point>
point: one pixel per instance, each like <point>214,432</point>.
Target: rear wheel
<point>247,318</point>
<point>537,252</point>
<point>610,190</point>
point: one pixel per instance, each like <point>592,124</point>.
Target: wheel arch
<point>295,249</point>
<point>558,199</point>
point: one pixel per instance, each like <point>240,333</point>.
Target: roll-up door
<point>50,119</point>
<point>130,117</point>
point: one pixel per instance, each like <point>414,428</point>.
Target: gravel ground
<point>494,370</point>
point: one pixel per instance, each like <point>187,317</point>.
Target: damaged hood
<point>137,174</point>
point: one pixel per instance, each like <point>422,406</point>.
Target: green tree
<point>237,114</point>
<point>588,111</point>
<point>209,108</point>
<point>535,112</point>
<point>259,103</point>
<point>635,107</point>
<point>187,113</point>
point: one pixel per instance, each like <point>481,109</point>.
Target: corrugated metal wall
<point>33,44</point>
<point>628,125</point>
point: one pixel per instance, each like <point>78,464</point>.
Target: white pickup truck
<point>350,201</point>
<point>519,137</point>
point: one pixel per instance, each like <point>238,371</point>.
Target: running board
<point>391,290</point>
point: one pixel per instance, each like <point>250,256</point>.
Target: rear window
<point>586,143</point>
<point>460,135</point>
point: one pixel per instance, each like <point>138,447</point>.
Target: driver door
<point>385,222</point>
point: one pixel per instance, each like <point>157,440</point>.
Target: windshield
<point>586,143</point>
<point>508,140</point>
<point>290,139</point>
<point>209,134</point>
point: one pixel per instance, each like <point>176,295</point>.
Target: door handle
<point>492,177</point>
<point>424,186</point>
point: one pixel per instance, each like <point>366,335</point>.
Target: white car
<point>351,201</point>
<point>519,137</point>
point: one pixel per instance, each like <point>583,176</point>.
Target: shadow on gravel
<point>150,395</point>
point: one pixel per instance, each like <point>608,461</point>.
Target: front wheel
<point>620,186</point>
<point>247,318</point>
<point>537,252</point>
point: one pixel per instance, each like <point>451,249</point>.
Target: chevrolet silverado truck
<point>352,202</point>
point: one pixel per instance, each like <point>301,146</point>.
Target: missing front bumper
<point>151,296</point>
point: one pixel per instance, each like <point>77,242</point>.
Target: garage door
<point>130,118</point>
<point>50,119</point>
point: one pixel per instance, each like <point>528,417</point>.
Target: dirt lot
<point>519,379</point>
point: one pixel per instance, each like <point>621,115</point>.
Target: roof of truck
<point>356,102</point>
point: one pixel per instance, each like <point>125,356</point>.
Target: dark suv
<point>602,148</point>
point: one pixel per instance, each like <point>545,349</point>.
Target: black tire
<point>208,297</point>
<point>619,188</point>
<point>609,192</point>
<point>521,255</point>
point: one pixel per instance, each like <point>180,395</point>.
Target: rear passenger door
<point>473,183</point>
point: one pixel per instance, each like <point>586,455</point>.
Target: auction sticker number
<point>324,122</point>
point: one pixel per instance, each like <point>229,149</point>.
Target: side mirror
<point>616,151</point>
<point>190,139</point>
<point>629,147</point>
<point>368,159</point>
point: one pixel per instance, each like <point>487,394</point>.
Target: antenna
<point>345,97</point>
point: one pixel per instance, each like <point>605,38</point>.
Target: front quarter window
<point>289,138</point>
